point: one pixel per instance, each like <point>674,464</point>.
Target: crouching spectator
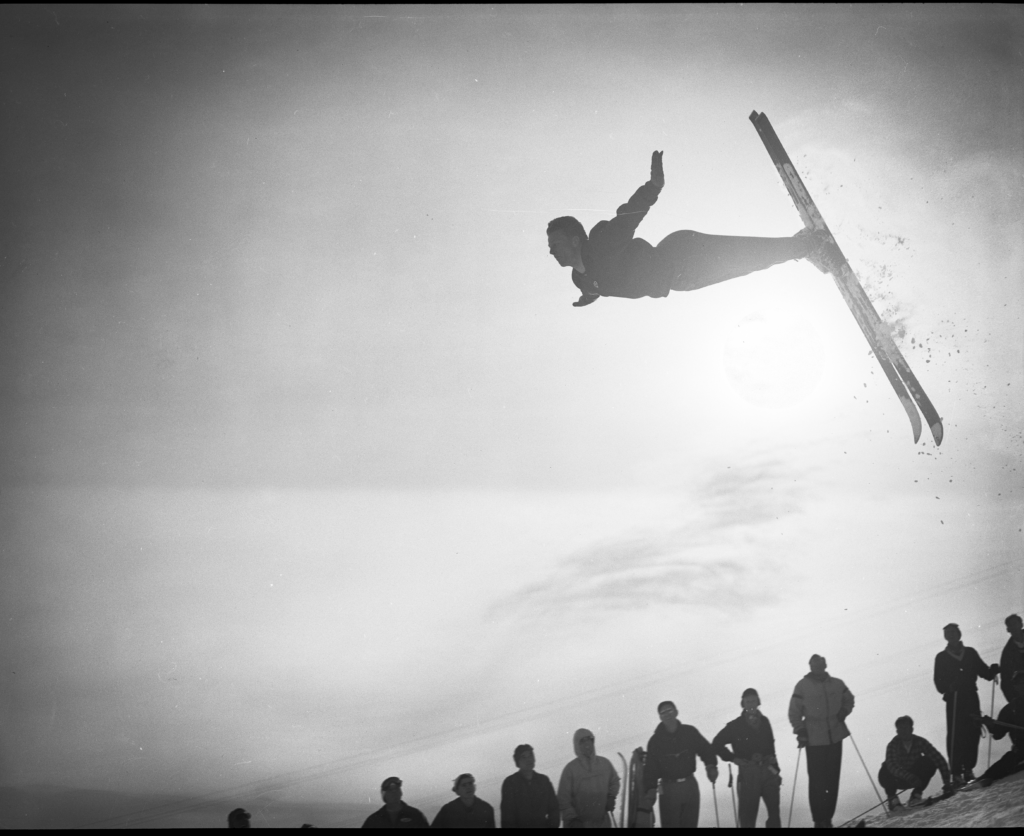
<point>910,763</point>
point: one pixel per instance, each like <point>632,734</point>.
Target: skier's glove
<point>584,300</point>
<point>712,773</point>
<point>657,171</point>
<point>801,740</point>
<point>994,670</point>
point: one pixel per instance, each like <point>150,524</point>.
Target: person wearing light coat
<point>817,709</point>
<point>588,787</point>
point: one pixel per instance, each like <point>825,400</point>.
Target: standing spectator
<point>753,752</point>
<point>239,818</point>
<point>672,754</point>
<point>910,762</point>
<point>957,669</point>
<point>1012,659</point>
<point>1011,721</point>
<point>527,798</point>
<point>589,785</point>
<point>817,709</point>
<point>467,810</point>
<point>395,812</point>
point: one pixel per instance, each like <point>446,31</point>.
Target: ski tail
<point>897,370</point>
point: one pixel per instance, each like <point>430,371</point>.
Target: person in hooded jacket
<point>588,787</point>
<point>753,752</point>
<point>672,754</point>
<point>817,709</point>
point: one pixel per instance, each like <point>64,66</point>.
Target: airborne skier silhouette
<point>611,262</point>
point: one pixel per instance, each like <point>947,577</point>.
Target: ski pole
<point>866,770</point>
<point>991,711</point>
<point>875,807</point>
<point>732,792</point>
<point>793,795</point>
<point>952,739</point>
<point>714,795</point>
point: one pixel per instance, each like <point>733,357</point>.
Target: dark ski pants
<point>963,731</point>
<point>754,784</point>
<point>923,769</point>
<point>824,764</point>
<point>1008,764</point>
<point>679,803</point>
<point>696,260</point>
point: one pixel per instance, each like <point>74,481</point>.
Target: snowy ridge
<point>1000,805</point>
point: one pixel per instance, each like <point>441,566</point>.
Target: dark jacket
<point>952,674</point>
<point>746,741</point>
<point>530,803</point>
<point>617,263</point>
<point>457,814</point>
<point>407,817</point>
<point>1011,661</point>
<point>671,756</point>
<point>899,760</point>
<point>1013,713</point>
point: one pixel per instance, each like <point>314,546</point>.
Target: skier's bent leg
<point>696,260</point>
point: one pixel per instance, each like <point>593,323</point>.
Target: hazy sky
<point>310,474</point>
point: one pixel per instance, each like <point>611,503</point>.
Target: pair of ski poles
<point>714,795</point>
<point>796,774</point>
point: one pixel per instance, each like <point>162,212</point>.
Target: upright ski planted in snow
<point>889,357</point>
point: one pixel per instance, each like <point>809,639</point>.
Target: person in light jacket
<point>817,709</point>
<point>588,787</point>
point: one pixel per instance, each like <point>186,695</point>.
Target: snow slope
<point>1000,805</point>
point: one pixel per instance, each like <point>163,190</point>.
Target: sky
<point>310,474</point>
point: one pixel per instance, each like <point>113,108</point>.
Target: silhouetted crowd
<point>588,788</point>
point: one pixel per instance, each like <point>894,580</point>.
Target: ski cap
<point>391,782</point>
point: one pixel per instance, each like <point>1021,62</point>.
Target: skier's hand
<point>994,670</point>
<point>657,172</point>
<point>584,300</point>
<point>801,740</point>
<point>712,773</point>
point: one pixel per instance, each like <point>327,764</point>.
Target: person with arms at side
<point>817,710</point>
<point>910,763</point>
<point>612,262</point>
<point>957,669</point>
<point>753,751</point>
<point>672,754</point>
<point>395,812</point>
<point>589,785</point>
<point>528,798</point>
<point>467,810</point>
<point>1012,658</point>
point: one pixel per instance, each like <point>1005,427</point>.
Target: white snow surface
<point>1000,805</point>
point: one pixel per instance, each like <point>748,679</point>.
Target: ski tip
<point>936,429</point>
<point>753,116</point>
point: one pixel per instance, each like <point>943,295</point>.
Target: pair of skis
<point>903,380</point>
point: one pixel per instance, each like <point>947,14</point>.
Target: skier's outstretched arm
<point>629,214</point>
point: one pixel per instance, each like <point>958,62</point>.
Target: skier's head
<point>904,727</point>
<point>524,757</point>
<point>951,632</point>
<point>391,790</point>
<point>464,786</point>
<point>1014,625</point>
<point>818,664</point>
<point>583,743</point>
<point>239,818</point>
<point>565,238</point>
<point>750,699</point>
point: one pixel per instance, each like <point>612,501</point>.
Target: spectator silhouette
<point>910,763</point>
<point>1012,658</point>
<point>528,798</point>
<point>589,785</point>
<point>817,710</point>
<point>239,818</point>
<point>395,812</point>
<point>753,752</point>
<point>467,810</point>
<point>957,669</point>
